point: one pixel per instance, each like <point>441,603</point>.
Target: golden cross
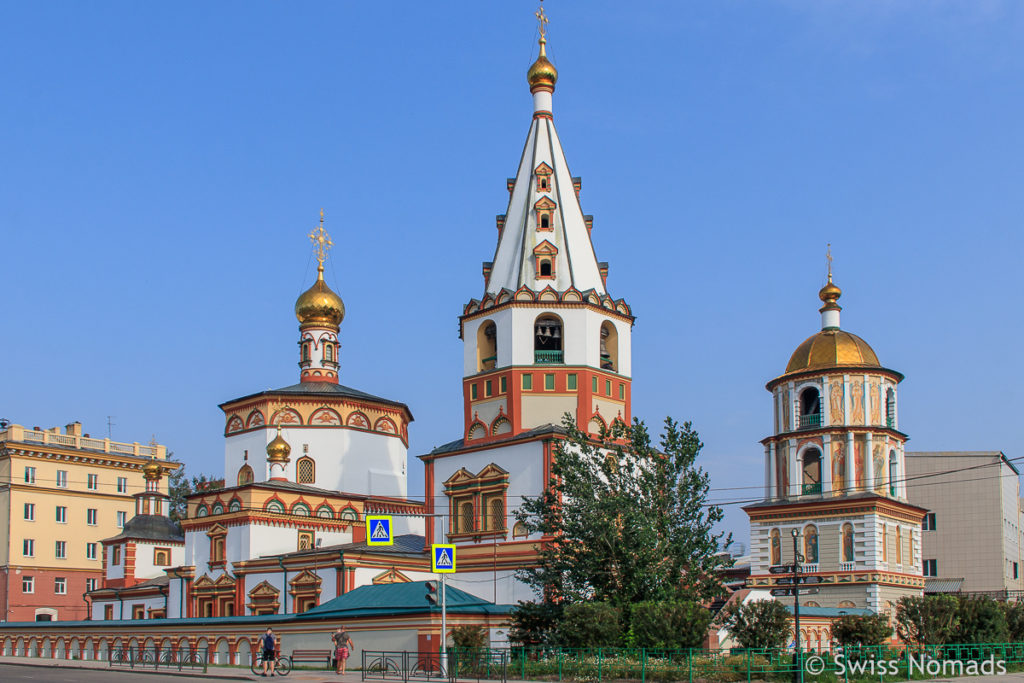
<point>542,19</point>
<point>321,241</point>
<point>828,257</point>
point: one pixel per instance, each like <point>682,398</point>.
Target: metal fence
<point>883,663</point>
<point>156,658</point>
<point>463,665</point>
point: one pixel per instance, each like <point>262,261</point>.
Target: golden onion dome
<point>319,305</point>
<point>543,73</point>
<point>278,450</point>
<point>832,348</point>
<point>151,471</point>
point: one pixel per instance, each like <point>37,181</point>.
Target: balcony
<point>547,357</point>
<point>811,489</point>
<point>812,421</point>
<point>846,566</point>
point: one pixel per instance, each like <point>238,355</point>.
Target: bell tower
<point>834,475</point>
<point>546,338</point>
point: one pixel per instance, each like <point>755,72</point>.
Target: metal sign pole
<point>444,623</point>
<point>797,668</point>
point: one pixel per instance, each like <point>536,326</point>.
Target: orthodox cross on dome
<point>542,19</point>
<point>321,242</point>
<point>828,258</point>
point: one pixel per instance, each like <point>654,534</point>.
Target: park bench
<point>319,656</point>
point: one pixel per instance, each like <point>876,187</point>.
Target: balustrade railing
<point>36,436</point>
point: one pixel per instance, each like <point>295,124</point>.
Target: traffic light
<point>432,597</point>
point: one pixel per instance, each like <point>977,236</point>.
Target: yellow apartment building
<point>61,493</point>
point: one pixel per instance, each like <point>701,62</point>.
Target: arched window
<point>235,505</point>
<point>325,512</point>
<point>349,515</point>
<point>519,530</point>
<point>890,408</point>
<point>811,472</point>
<point>894,470</point>
<point>465,524</point>
<point>305,471</point>
<point>274,506</point>
<point>545,221</point>
<point>609,347</point>
<point>301,509</point>
<point>776,548</point>
<point>245,475</point>
<point>218,508</point>
<point>486,346</point>
<point>544,183</point>
<point>810,408</point>
<point>545,267</point>
<point>547,339</point>
<point>305,351</point>
<point>847,551</point>
<point>496,513</point>
<point>811,544</point>
<point>328,352</point>
<point>202,511</point>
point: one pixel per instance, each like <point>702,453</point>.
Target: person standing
<point>269,646</point>
<point>342,646</point>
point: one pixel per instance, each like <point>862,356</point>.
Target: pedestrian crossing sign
<point>378,530</point>
<point>443,556</point>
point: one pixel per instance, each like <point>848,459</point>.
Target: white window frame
<point>62,514</point>
<point>60,550</point>
<point>91,515</point>
<point>30,583</point>
<point>90,551</point>
<point>30,512</point>
<point>90,584</point>
<point>122,519</point>
<point>122,484</point>
<point>30,475</point>
<point>92,482</point>
<point>29,545</point>
<point>62,479</point>
<point>60,585</point>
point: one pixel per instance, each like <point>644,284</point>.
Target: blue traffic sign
<point>442,558</point>
<point>378,530</point>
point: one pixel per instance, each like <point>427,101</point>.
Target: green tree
<point>534,623</point>
<point>469,637</point>
<point>928,620</point>
<point>871,629</point>
<point>629,522</point>
<point>758,624</point>
<point>979,620</point>
<point>669,625</point>
<point>590,624</point>
<point>180,487</point>
<point>1013,612</point>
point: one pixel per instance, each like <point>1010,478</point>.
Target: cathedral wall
<point>144,567</point>
<point>524,462</point>
<point>235,448</point>
<point>500,587</point>
<point>541,410</point>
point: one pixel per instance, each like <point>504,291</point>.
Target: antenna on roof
<point>110,424</point>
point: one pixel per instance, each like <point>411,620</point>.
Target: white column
<point>826,466</point>
<point>826,404</point>
<point>866,393</point>
<point>779,427</point>
<point>869,464</point>
<point>851,469</point>
<point>767,472</point>
<point>796,475</point>
<point>794,419</point>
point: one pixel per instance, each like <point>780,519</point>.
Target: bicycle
<point>282,668</point>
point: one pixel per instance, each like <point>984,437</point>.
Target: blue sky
<point>162,164</point>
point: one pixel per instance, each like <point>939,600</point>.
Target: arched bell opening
<point>547,339</point>
<point>486,346</point>
<point>810,408</point>
<point>609,347</point>
<point>811,481</point>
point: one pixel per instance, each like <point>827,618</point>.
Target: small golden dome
<point>151,471</point>
<point>543,73</point>
<point>832,348</point>
<point>319,304</point>
<point>830,293</point>
<point>278,450</point>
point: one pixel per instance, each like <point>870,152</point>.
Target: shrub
<point>669,625</point>
<point>590,624</point>
<point>1013,612</point>
<point>470,637</point>
<point>534,623</point>
<point>980,620</point>
<point>758,624</point>
<point>928,620</point>
<point>872,629</point>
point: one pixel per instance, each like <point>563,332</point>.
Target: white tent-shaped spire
<point>544,220</point>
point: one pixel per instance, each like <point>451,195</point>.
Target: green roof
<point>403,598</point>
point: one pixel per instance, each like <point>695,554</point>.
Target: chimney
<point>73,429</point>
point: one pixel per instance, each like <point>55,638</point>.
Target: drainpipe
<point>88,606</point>
<point>166,591</point>
<point>343,587</point>
<point>284,587</point>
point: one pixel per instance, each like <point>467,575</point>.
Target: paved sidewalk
<point>214,672</point>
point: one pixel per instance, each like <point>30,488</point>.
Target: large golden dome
<point>543,73</point>
<point>319,304</point>
<point>832,348</point>
<point>151,471</point>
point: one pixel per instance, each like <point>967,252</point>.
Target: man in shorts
<point>342,647</point>
<point>268,644</point>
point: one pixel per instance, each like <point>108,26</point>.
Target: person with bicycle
<point>342,646</point>
<point>269,646</point>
